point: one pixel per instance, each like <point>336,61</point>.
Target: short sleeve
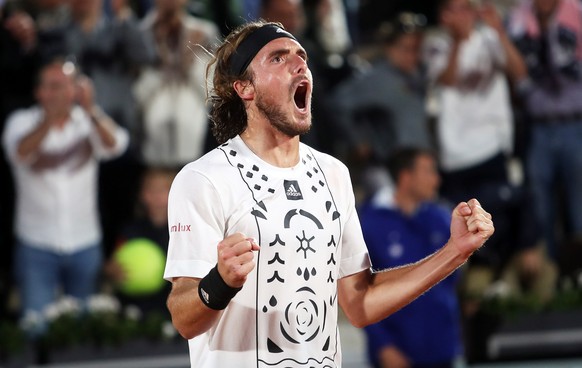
<point>18,125</point>
<point>354,256</point>
<point>195,223</point>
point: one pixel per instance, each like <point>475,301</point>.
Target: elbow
<point>187,329</point>
<point>185,332</point>
<point>356,317</point>
<point>358,322</point>
<point>182,326</point>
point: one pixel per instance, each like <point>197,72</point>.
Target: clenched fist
<point>236,259</point>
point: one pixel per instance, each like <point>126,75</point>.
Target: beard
<point>278,119</point>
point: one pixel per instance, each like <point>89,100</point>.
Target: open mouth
<point>300,96</point>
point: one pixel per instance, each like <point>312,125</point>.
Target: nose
<point>299,65</point>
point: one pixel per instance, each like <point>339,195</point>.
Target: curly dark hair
<point>227,110</point>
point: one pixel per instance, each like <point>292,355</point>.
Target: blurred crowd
<point>102,101</point>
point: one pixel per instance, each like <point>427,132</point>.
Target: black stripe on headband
<point>247,49</point>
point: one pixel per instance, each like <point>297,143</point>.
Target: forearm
<point>189,315</point>
<point>449,75</point>
<point>104,125</point>
<point>380,294</point>
<point>31,143</point>
<point>515,65</point>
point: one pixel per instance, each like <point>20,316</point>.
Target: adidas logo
<point>292,190</point>
<point>205,295</point>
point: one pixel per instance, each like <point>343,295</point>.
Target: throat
<point>277,149</point>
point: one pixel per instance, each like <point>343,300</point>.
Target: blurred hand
<point>85,93</point>
<point>236,259</point>
<point>391,357</point>
<point>489,15</point>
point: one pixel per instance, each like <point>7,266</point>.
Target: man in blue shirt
<point>403,226</point>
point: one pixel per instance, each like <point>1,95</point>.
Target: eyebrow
<point>286,51</point>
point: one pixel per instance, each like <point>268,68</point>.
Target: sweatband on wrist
<point>250,46</point>
<point>214,292</point>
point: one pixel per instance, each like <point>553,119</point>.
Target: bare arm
<point>30,144</point>
<point>459,29</point>
<point>515,66</point>
<point>104,125</point>
<point>190,315</point>
<point>368,297</point>
<point>449,75</point>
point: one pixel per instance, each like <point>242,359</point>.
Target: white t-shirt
<point>305,221</point>
<point>56,207</point>
<point>475,121</point>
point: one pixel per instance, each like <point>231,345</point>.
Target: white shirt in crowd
<point>475,120</point>
<point>56,208</point>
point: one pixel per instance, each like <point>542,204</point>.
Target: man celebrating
<point>265,242</point>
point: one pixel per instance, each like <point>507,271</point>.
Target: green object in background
<point>143,262</point>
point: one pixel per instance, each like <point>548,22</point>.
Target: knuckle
<point>224,256</point>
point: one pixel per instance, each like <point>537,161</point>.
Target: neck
<point>406,202</point>
<point>57,118</point>
<point>272,146</point>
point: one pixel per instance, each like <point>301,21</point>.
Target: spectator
<point>404,227</point>
<point>171,93</point>
<point>549,34</point>
<point>54,148</point>
<point>469,62</point>
<point>384,107</point>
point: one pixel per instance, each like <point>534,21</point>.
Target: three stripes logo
<point>292,190</point>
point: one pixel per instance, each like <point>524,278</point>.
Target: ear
<point>245,90</point>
